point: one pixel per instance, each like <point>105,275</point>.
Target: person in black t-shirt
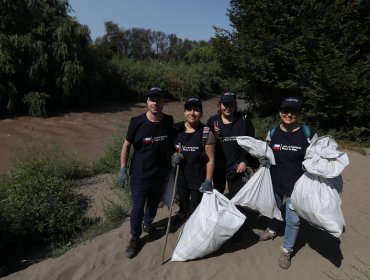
<point>231,159</point>
<point>195,160</point>
<point>289,141</point>
<point>150,134</point>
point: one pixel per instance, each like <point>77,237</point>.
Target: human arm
<point>123,176</point>
<point>210,166</point>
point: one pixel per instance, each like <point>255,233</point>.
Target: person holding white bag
<point>288,141</point>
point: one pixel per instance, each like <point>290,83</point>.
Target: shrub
<point>37,202</point>
<point>42,156</point>
<point>109,162</point>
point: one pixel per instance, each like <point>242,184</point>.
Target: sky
<point>188,19</point>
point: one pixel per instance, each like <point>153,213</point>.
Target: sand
<point>318,254</point>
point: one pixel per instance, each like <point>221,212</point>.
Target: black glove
<point>177,158</point>
<point>206,186</point>
<point>265,162</point>
<point>122,177</point>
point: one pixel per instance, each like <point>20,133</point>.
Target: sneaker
<point>266,234</point>
<point>284,260</point>
<point>147,228</point>
<point>133,247</point>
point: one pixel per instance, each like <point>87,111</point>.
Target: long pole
<point>171,208</point>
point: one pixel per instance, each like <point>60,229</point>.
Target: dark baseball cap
<point>291,102</point>
<point>193,101</point>
<point>156,91</point>
<point>228,97</point>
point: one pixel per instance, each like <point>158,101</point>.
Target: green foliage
<point>36,102</point>
<point>41,50</point>
<point>37,202</point>
<point>262,126</point>
<point>42,156</point>
<point>40,206</point>
<point>305,48</point>
<point>109,162</point>
<point>180,79</point>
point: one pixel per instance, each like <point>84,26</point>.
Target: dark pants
<point>234,184</point>
<point>186,205</point>
<point>145,201</point>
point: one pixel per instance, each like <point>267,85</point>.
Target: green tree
<point>40,52</point>
<point>314,49</point>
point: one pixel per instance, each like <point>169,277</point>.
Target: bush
<point>40,206</point>
<point>109,162</point>
<point>42,156</point>
<point>37,202</point>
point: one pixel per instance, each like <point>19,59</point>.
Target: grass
<point>109,162</point>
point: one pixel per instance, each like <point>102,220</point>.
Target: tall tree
<point>315,49</point>
<point>40,54</point>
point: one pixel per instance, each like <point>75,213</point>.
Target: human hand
<point>241,167</point>
<point>206,186</point>
<point>122,178</point>
<point>217,129</point>
<point>265,162</point>
<point>177,158</point>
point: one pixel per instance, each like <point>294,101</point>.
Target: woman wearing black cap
<point>150,134</point>
<point>231,159</point>
<point>289,141</point>
<point>196,158</point>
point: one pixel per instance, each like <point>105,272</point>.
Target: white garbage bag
<point>169,188</point>
<point>322,158</point>
<point>256,148</point>
<point>215,220</point>
<point>316,199</point>
<point>257,194</point>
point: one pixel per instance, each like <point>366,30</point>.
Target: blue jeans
<point>291,222</point>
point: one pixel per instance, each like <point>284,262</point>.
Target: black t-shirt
<point>192,171</point>
<point>289,150</point>
<point>228,153</point>
<point>152,142</point>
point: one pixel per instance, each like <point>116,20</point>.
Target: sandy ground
<point>318,254</point>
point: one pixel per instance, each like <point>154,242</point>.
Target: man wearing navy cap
<point>150,134</point>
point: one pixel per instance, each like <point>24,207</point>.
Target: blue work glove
<point>265,162</point>
<point>177,158</point>
<point>122,177</point>
<point>206,186</point>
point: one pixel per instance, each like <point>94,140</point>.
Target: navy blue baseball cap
<point>228,97</point>
<point>156,91</point>
<point>291,102</point>
<point>193,101</point>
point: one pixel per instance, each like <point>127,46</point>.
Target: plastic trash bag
<point>316,195</point>
<point>215,220</point>
<point>317,200</point>
<point>257,194</point>
<point>256,148</point>
<point>322,158</point>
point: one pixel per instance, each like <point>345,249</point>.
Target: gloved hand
<point>265,162</point>
<point>177,158</point>
<point>122,177</point>
<point>206,186</point>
